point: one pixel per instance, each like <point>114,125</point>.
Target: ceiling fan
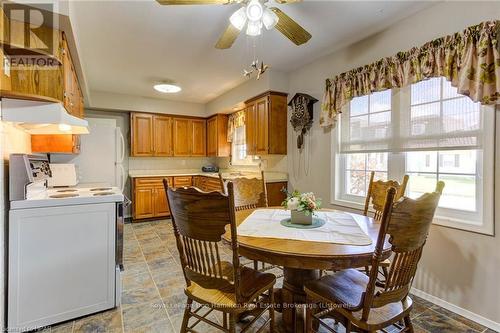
<point>254,14</point>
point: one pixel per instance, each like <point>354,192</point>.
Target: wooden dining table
<point>302,261</point>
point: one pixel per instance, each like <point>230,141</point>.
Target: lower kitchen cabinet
<point>149,198</point>
<point>275,195</point>
<point>207,184</point>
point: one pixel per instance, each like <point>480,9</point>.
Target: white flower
<point>293,203</point>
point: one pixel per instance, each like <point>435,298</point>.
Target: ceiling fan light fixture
<point>167,88</point>
<point>254,28</point>
<point>270,19</point>
<point>239,18</point>
<point>254,10</point>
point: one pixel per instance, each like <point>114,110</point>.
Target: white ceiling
<point>125,46</point>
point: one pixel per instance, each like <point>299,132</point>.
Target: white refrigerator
<point>102,153</point>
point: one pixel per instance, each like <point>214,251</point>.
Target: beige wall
<point>272,80</point>
<point>12,140</point>
<point>120,102</point>
<point>459,267</point>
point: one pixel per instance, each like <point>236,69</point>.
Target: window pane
<point>355,161</point>
<point>449,91</point>
<point>460,114</point>
<point>421,161</point>
<point>358,127</point>
<point>377,162</point>
<point>421,183</point>
<point>356,183</point>
<point>426,91</point>
<point>359,105</point>
<point>425,119</point>
<point>459,192</point>
<point>379,125</point>
<point>380,101</point>
<point>458,161</point>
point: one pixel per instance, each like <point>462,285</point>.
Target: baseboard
<point>458,310</point>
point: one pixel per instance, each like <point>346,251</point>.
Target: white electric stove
<point>65,247</point>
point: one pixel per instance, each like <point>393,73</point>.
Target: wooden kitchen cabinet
<point>143,203</point>
<point>149,199</point>
<point>217,144</point>
<point>266,124</point>
<point>151,135</point>
<point>275,195</point>
<point>198,137</point>
<point>189,137</point>
<point>55,143</point>
<point>207,184</point>
<point>142,134</point>
<point>182,137</point>
<point>162,136</point>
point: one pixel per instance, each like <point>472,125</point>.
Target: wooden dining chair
<point>353,298</point>
<point>251,193</point>
<point>377,191</point>
<point>199,220</point>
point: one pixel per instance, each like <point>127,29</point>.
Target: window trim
<point>486,225</point>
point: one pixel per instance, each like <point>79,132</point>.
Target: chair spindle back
<point>249,193</point>
<point>377,191</point>
<point>199,220</point>
<point>407,222</point>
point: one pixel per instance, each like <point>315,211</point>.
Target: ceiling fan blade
<point>228,37</point>
<point>287,1</point>
<point>194,2</point>
<point>291,29</point>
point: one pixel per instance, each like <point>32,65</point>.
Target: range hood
<point>42,117</point>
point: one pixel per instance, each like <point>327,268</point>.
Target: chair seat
<point>346,288</point>
<point>252,284</point>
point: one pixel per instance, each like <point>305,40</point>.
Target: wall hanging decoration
<point>302,115</point>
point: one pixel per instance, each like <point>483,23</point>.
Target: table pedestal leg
<point>293,294</point>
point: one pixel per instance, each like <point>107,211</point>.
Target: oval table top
<point>310,255</point>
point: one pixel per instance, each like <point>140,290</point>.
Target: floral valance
<point>235,120</point>
<point>470,60</point>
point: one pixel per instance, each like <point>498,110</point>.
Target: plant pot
<point>301,218</point>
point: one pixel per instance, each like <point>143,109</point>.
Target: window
<point>431,133</point>
<point>239,148</point>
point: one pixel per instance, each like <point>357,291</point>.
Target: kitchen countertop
<point>271,176</point>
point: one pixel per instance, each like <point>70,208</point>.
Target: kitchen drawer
<point>153,181</point>
<point>183,181</point>
<point>212,184</point>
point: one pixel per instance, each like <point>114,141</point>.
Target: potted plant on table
<point>302,206</point>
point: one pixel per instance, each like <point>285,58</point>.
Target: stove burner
<point>100,189</point>
<point>60,196</point>
<point>67,190</point>
<point>103,193</point>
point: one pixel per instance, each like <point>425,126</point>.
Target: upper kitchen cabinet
<point>51,77</point>
<point>217,144</point>
<point>73,97</point>
<point>162,142</point>
<point>198,137</point>
<point>266,124</point>
<point>151,135</point>
<point>190,137</point>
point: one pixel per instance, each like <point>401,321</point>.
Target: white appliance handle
<point>122,146</point>
<point>123,176</point>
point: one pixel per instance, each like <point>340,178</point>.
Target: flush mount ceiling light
<point>255,14</point>
<point>167,88</point>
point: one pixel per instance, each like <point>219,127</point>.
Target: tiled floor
<point>153,298</point>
